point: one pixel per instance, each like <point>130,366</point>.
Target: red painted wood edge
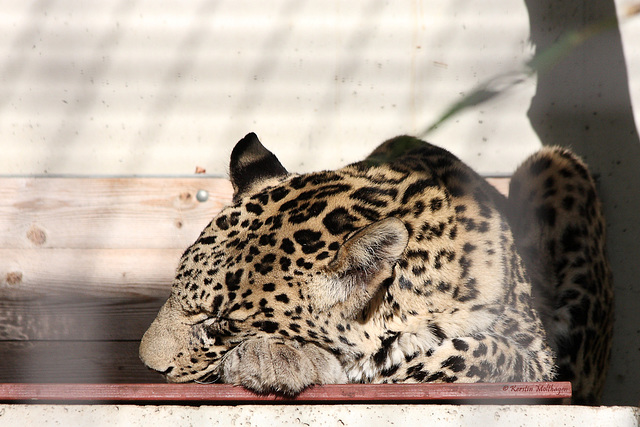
<point>224,393</point>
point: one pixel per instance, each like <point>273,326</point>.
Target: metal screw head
<point>202,195</point>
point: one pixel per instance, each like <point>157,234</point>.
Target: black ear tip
<point>250,137</point>
<point>250,140</point>
<point>250,163</point>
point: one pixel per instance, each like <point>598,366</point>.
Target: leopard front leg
<point>479,358</point>
<point>267,365</point>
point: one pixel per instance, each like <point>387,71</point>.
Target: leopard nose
<point>155,351</point>
<point>163,340</point>
<point>155,363</point>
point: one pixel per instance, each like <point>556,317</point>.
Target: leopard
<point>404,267</point>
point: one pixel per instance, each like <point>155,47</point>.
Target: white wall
<point>148,87</point>
<point>160,87</point>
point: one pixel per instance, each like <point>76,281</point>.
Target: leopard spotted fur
<point>404,267</point>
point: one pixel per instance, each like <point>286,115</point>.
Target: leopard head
<point>282,261</point>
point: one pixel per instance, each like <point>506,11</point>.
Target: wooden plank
<point>334,393</point>
<point>107,212</point>
<point>59,364</point>
<point>118,261</point>
<point>112,212</point>
<point>501,184</point>
<point>73,362</point>
<point>76,318</point>
<point>106,272</point>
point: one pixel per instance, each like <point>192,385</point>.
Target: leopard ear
<point>362,263</point>
<point>252,164</point>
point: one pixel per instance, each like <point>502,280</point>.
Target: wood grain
<point>106,212</point>
<point>112,213</point>
<point>102,235</point>
<point>73,362</point>
<point>106,272</point>
<point>333,393</point>
<point>77,317</point>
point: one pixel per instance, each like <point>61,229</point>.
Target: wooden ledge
<point>335,393</point>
